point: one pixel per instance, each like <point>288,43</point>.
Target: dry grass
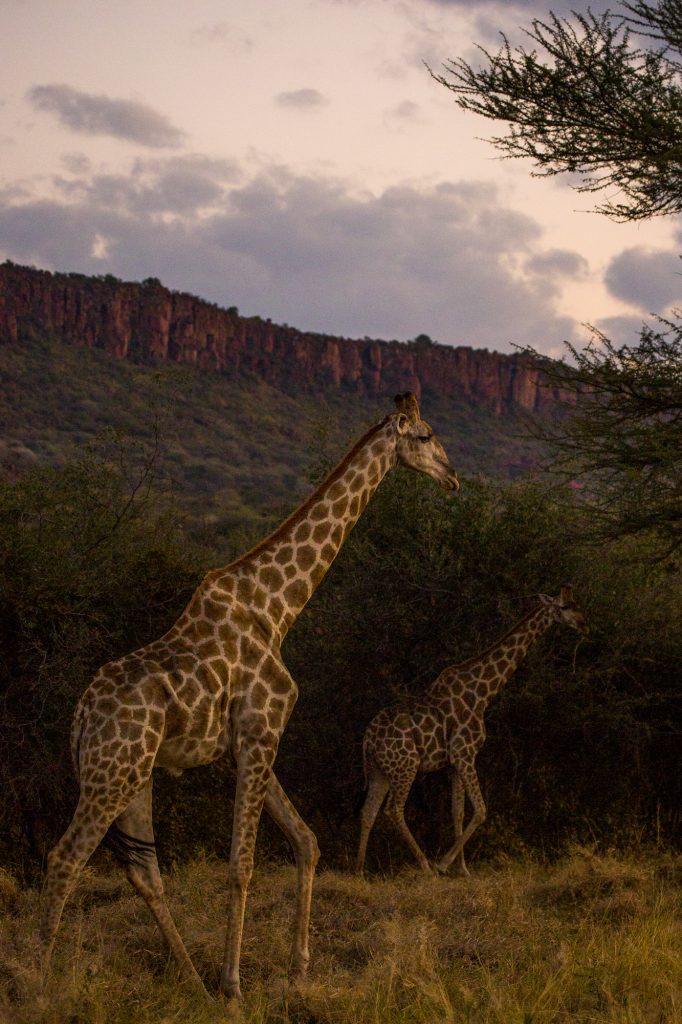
<point>593,939</point>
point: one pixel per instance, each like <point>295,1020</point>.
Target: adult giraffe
<point>215,687</point>
<point>447,727</point>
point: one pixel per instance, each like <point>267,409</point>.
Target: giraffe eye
<point>424,438</point>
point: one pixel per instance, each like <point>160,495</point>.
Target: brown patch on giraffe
<point>320,532</point>
<point>296,593</point>
<point>305,558</point>
<point>221,670</point>
<point>209,649</point>
<point>207,678</point>
<point>302,532</point>
<point>271,578</point>
<point>339,507</point>
<point>107,730</point>
<point>280,684</point>
<point>258,696</point>
<point>155,721</point>
<point>212,610</point>
<point>202,628</point>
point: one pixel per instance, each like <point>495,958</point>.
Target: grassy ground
<point>592,939</point>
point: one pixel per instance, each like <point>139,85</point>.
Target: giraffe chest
<point>203,727</point>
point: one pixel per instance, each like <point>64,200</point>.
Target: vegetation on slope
<point>234,448</point>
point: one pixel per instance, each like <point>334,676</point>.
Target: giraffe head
<point>566,609</point>
<point>418,447</point>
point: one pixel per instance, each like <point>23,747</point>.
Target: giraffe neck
<point>486,674</point>
<point>288,565</point>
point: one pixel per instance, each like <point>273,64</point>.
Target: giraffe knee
<point>310,851</point>
<point>239,874</point>
<point>394,813</point>
<point>62,860</point>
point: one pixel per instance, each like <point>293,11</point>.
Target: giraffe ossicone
<point>215,688</point>
<point>447,728</point>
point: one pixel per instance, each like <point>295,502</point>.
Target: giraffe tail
<point>361,799</point>
<point>77,724</point>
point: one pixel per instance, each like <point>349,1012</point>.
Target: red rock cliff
<point>146,322</point>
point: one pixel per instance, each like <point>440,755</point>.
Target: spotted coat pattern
<point>214,687</point>
<point>447,728</point>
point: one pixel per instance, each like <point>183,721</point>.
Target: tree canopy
<point>623,441</point>
<point>599,97</point>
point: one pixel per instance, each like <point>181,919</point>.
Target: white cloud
<point>648,278</point>
<point>99,115</point>
<point>301,99</point>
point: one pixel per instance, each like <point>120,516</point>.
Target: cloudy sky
<point>295,159</point>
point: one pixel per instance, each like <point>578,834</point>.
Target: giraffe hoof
<point>299,972</point>
<point>232,993</point>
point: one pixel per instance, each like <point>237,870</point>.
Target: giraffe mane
<point>300,513</point>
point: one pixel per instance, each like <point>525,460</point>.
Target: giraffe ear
<point>407,403</point>
<point>546,599</point>
<point>402,424</point>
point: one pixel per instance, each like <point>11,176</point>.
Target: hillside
<point>247,410</point>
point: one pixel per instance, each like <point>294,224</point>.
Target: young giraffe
<point>447,727</point>
<point>215,687</point>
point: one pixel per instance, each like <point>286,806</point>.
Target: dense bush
<point>582,743</point>
<point>88,571</point>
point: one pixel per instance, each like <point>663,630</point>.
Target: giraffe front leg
<point>254,768</point>
<point>473,790</point>
<point>458,817</point>
<point>307,853</point>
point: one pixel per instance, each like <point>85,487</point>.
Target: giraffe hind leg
<point>127,849</point>
<point>395,810</point>
<point>131,840</point>
<point>65,863</point>
<point>377,789</point>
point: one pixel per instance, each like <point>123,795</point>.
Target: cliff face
<point>148,323</point>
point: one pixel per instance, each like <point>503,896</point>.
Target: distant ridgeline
<point>147,323</point>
